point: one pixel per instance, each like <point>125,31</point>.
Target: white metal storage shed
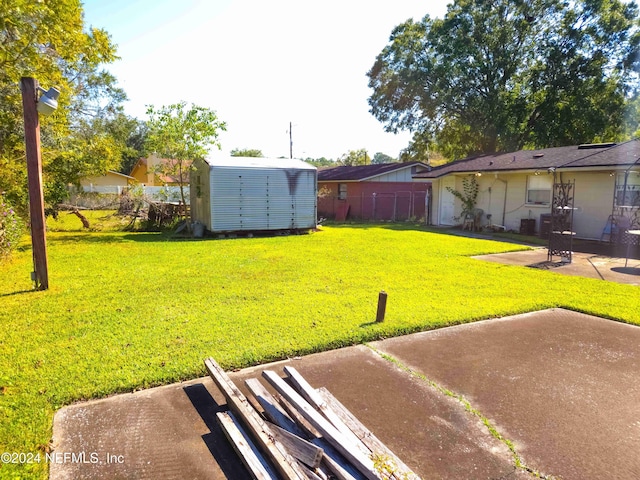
<point>253,194</point>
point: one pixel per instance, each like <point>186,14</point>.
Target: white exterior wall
<point>397,176</point>
<point>593,200</point>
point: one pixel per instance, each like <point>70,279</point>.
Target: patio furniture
<point>630,232</point>
<point>472,220</point>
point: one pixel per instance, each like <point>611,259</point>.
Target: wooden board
<point>287,466</point>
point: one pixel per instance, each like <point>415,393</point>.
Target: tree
<point>501,75</point>
<point>380,157</point>
<point>182,135</point>
<point>46,40</point>
<point>246,152</point>
<point>355,157</point>
<point>320,162</point>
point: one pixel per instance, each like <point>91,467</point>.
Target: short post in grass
<point>382,306</point>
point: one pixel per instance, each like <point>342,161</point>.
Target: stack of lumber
<point>300,432</point>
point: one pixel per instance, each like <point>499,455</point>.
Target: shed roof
<point>259,162</point>
<point>577,156</point>
<point>359,173</point>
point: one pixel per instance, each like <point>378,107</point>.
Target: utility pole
<point>290,140</point>
<point>29,87</point>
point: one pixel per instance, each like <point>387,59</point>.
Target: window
<point>342,191</point>
<point>539,189</point>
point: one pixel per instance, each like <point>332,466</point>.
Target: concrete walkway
<point>561,387</point>
<point>588,265</point>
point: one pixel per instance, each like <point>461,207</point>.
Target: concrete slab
<point>588,265</point>
<point>429,431</point>
<point>162,433</point>
<point>565,387</point>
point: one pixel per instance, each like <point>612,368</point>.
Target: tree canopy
<point>380,157</point>
<point>48,41</point>
<point>355,157</point>
<point>320,162</point>
<point>180,135</point>
<point>246,152</point>
<point>506,74</point>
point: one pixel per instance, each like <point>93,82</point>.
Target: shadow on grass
<point>451,231</point>
<point>399,226</point>
<point>145,237</point>
<point>19,292</point>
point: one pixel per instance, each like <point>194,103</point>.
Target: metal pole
<point>29,87</point>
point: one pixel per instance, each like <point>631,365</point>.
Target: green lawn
<point>132,310</point>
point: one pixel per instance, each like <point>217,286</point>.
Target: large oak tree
<point>504,74</point>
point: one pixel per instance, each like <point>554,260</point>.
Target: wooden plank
<point>312,474</point>
<point>352,453</point>
<point>333,460</point>
<point>244,447</point>
<point>299,448</point>
<point>287,467</point>
<point>272,409</point>
<point>302,422</point>
<point>315,399</point>
<point>368,438</point>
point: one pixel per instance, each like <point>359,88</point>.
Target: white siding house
<point>518,185</point>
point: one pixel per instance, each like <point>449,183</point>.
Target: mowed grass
<point>126,311</point>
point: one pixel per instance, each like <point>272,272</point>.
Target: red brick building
<point>372,192</point>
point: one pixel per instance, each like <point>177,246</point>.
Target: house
<point>372,192</point>
<point>516,189</point>
<point>159,186</point>
<point>253,194</point>
<point>110,182</point>
<point>147,172</point>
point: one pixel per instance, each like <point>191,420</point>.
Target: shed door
<point>447,201</point>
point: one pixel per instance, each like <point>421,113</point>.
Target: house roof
<point>259,162</point>
<point>113,172</point>
<point>151,163</point>
<point>359,173</point>
<point>609,155</point>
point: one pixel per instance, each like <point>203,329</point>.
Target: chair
<point>472,219</point>
<point>615,227</point>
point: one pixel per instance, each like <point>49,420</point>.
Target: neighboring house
<point>111,182</point>
<point>372,192</point>
<point>518,186</point>
<point>253,194</point>
<point>147,172</point>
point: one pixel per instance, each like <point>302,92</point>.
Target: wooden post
<point>29,87</point>
<point>382,306</point>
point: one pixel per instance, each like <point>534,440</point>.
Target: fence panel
<point>398,206</point>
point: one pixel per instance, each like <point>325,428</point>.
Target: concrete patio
<point>563,388</point>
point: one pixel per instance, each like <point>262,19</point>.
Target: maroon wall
<point>394,201</point>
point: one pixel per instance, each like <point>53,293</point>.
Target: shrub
<point>11,228</point>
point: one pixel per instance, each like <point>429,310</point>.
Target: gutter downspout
<point>504,206</point>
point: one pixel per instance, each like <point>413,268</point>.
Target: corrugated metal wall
<point>262,198</point>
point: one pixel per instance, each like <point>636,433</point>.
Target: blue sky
<point>260,65</point>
